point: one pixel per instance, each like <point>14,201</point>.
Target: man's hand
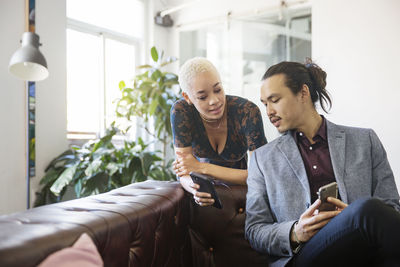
<point>338,203</point>
<point>311,222</point>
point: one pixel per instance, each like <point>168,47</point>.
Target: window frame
<point>77,138</point>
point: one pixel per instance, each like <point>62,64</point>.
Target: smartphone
<point>329,190</point>
<point>206,185</point>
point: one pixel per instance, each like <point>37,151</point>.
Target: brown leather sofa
<point>152,223</point>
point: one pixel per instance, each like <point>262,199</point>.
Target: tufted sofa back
<point>146,224</point>
<point>141,224</point>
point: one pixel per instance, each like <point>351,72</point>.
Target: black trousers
<point>366,233</point>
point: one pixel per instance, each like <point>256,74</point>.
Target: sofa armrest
<point>143,224</point>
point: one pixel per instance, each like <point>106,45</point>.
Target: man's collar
<point>321,132</point>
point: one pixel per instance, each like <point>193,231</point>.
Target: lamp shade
<point>28,63</point>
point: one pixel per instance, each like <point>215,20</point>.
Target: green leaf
<point>145,86</point>
<point>141,142</point>
<point>147,162</point>
<point>41,197</point>
<point>112,168</point>
<point>144,66</point>
<point>162,102</point>
<point>134,170</point>
<point>83,151</point>
<point>157,174</point>
<point>171,76</point>
<point>154,54</point>
<point>95,184</point>
<point>169,60</point>
<point>51,176</point>
<point>153,107</point>
<point>78,188</point>
<point>155,76</point>
<point>122,85</point>
<point>93,167</point>
<point>127,99</point>
<point>64,179</point>
<point>127,91</point>
<point>66,155</point>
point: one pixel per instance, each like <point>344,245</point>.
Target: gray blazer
<point>278,189</point>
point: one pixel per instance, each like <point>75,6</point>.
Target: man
<point>283,219</point>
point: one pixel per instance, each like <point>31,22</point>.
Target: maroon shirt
<point>316,158</point>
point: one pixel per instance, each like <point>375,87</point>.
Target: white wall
<point>12,111</point>
<point>50,99</point>
<point>357,43</point>
<point>163,38</point>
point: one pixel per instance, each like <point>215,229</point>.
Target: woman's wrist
<point>203,168</point>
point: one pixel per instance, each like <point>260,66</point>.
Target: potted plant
<point>151,98</point>
<point>100,165</point>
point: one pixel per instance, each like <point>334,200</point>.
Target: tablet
<point>206,184</point>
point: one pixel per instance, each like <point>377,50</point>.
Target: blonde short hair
<point>191,68</point>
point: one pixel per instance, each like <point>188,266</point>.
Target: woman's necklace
<point>208,121</point>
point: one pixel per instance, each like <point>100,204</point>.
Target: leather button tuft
<point>240,210</point>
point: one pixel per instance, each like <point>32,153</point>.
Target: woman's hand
<point>201,198</point>
<point>185,163</point>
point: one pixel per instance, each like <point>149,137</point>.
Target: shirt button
<point>310,147</point>
<point>314,167</point>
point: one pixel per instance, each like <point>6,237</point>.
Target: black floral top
<point>245,132</point>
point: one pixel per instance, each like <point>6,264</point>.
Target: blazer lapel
<point>337,142</point>
<point>288,147</point>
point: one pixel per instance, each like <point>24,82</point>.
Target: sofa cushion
<point>83,253</point>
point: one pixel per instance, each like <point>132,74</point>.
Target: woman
<point>212,132</point>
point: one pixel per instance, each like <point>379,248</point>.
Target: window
<point>104,44</point>
<point>243,48</point>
